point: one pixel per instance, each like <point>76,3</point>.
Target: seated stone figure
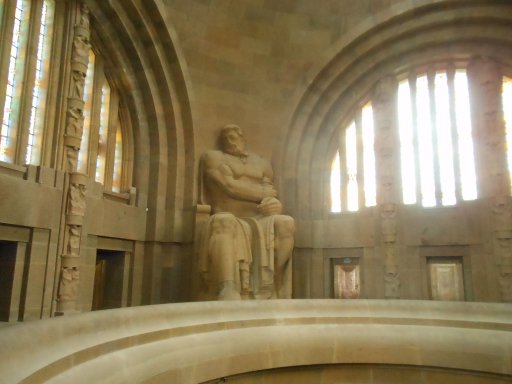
<point>246,245</point>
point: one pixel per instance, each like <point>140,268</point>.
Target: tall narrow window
<point>351,158</point>
<point>427,139</point>
<point>354,180</point>
<point>507,114</point>
<point>118,161</point>
<point>88,96</point>
<point>101,148</point>
<point>336,184</point>
<point>103,133</point>
<point>426,151</point>
<point>444,139</point>
<point>370,187</point>
<point>35,134</point>
<point>406,126</point>
<point>463,118</point>
<point>7,147</point>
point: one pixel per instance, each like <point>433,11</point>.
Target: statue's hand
<point>268,191</point>
<point>270,206</point>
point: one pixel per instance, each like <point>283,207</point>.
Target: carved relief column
<point>387,151</point>
<point>77,182</point>
<point>485,79</point>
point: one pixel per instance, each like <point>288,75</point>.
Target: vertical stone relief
<point>502,218</point>
<point>76,203</point>
<point>386,145</point>
<point>75,112</point>
<point>386,153</point>
<point>485,80</point>
<point>389,237</point>
<point>489,133</point>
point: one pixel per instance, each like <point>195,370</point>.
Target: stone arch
<point>151,72</point>
<point>385,44</point>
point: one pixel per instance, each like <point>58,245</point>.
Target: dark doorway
<point>108,280</point>
<point>7,267</point>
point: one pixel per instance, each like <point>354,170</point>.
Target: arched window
<point>28,27</point>
<point>353,174</point>
<point>506,96</point>
<point>436,144</point>
<point>437,162</point>
<point>101,151</point>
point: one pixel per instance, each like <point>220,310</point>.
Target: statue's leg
<point>221,251</point>
<point>284,239</point>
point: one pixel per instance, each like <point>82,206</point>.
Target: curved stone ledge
<point>196,342</point>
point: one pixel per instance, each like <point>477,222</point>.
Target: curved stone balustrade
<point>197,342</point>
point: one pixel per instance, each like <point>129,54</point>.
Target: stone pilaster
<point>502,239</point>
<point>488,127</point>
<point>75,204</point>
<point>485,79</point>
<point>387,151</point>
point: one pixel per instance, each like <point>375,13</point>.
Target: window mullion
<point>99,79</point>
<point>343,172</point>
<point>435,148</point>
<point>111,141</point>
<point>412,86</point>
<point>359,152</point>
<point>453,124</point>
<point>29,76</point>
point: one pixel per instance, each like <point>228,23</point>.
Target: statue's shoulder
<point>211,157</point>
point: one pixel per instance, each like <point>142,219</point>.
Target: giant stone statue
<point>246,245</point>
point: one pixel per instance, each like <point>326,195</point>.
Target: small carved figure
<point>246,224</point>
<point>392,284</point>
<point>388,222</point>
<point>81,48</point>
<point>71,159</point>
<point>78,84</point>
<point>69,284</point>
<point>84,16</point>
<point>76,201</point>
<point>75,123</point>
<point>74,240</point>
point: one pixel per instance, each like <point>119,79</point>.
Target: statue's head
<point>231,140</point>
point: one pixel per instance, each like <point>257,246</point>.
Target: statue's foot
<point>229,291</point>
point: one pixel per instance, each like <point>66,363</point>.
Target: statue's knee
<point>223,223</point>
<point>285,225</point>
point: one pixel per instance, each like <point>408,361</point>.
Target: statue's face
<point>234,143</point>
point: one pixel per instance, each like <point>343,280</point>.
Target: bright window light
<point>425,147</point>
<point>444,139</point>
<point>507,114</point>
<point>351,152</point>
<point>6,146</point>
<point>84,145</point>
<point>370,188</point>
<point>406,128</point>
<point>118,160</point>
<point>33,153</point>
<point>463,118</point>
<point>103,133</point>
<point>335,184</point>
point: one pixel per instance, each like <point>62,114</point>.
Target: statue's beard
<point>236,149</point>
